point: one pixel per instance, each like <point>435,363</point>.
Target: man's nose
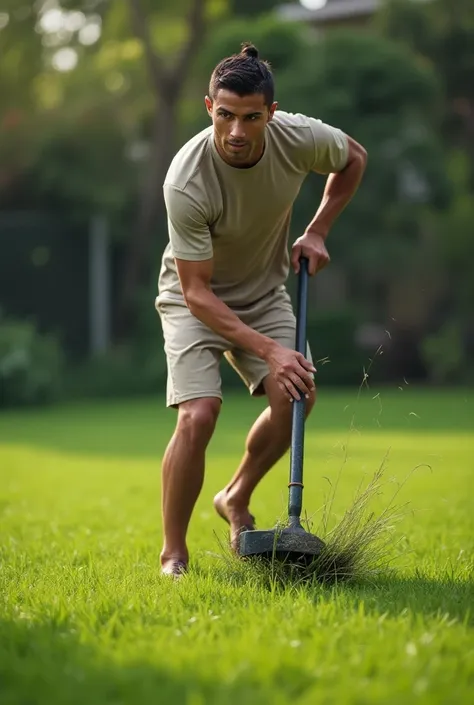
<point>237,132</point>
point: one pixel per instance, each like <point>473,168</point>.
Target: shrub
<point>123,371</point>
<point>31,364</point>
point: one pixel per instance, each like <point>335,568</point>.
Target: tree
<point>442,32</point>
<point>100,132</point>
<point>166,81</point>
<point>249,8</point>
<point>18,70</point>
<point>70,125</point>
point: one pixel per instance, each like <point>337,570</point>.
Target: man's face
<point>239,126</point>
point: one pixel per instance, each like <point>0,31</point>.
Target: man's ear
<point>273,107</point>
<point>208,103</point>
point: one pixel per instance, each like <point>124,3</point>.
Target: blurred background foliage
<point>97,96</point>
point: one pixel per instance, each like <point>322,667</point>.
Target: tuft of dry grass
<point>361,545</point>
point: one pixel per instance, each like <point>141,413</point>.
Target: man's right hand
<point>291,370</point>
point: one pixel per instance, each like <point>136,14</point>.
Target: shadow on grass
<point>45,664</point>
<point>444,598</point>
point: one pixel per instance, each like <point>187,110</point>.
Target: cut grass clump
<point>359,547</point>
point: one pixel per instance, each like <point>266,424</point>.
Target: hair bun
<point>249,50</point>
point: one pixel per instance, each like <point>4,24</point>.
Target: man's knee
<point>311,402</point>
<point>197,419</point>
<point>282,407</point>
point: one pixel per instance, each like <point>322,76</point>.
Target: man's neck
<point>246,165</point>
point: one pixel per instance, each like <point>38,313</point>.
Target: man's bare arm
<point>290,369</point>
<point>195,280</point>
<point>340,188</point>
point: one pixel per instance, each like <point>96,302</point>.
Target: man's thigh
<point>193,354</point>
<point>275,318</point>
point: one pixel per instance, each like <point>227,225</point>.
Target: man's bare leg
<point>183,475</point>
<point>268,440</point>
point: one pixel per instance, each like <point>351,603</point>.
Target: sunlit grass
<point>86,618</point>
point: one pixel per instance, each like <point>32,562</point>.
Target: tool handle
<point>295,502</point>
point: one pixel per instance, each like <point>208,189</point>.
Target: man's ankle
<point>167,555</point>
<point>235,499</point>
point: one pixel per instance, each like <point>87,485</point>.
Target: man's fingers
<point>317,263</point>
<point>293,387</point>
<point>297,377</point>
<point>300,382</point>
<point>294,394</point>
<point>306,375</point>
<point>285,391</point>
<point>322,262</point>
<point>306,364</point>
<point>295,258</point>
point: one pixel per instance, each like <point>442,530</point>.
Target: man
<point>229,193</point>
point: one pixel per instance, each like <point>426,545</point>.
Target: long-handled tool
<point>291,544</point>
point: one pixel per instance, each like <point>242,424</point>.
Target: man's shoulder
<point>292,139</point>
<point>292,133</point>
<point>299,126</point>
<point>188,160</point>
<point>286,120</point>
<point>312,143</point>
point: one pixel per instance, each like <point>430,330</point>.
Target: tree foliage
<point>442,32</point>
<point>98,135</point>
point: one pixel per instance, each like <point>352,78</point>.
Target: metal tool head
<point>292,545</point>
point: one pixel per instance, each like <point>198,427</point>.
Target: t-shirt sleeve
<point>189,233</point>
<point>331,147</point>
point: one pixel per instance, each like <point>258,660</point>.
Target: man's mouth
<point>237,145</point>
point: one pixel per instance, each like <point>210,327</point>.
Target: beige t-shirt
<point>241,217</point>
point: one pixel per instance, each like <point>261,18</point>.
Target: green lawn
<point>86,619</point>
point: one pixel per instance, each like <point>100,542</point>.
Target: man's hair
<point>244,74</point>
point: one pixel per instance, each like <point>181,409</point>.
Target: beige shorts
<point>194,352</point>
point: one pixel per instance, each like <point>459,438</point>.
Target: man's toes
<point>235,535</point>
<point>174,568</point>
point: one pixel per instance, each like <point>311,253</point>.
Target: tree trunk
<point>137,266</point>
<point>167,85</point>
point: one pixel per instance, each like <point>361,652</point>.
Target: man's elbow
<point>357,154</point>
<point>363,156</point>
<point>190,299</point>
<point>194,279</point>
<point>193,297</point>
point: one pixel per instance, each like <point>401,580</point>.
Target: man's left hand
<point>311,246</point>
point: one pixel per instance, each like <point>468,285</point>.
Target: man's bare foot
<point>174,567</point>
<point>238,518</point>
<point>174,563</point>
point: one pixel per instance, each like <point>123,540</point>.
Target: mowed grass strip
<point>86,618</point>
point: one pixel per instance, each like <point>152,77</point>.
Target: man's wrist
<point>267,347</point>
<point>315,230</point>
